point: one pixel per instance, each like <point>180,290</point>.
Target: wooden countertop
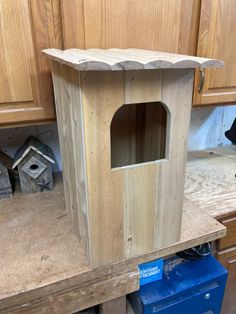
<point>211,180</point>
<point>44,267</point>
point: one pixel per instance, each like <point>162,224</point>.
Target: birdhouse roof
<point>6,161</point>
<point>127,59</point>
<point>36,145</point>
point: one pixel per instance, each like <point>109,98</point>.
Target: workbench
<point>43,266</point>
<point>211,185</point>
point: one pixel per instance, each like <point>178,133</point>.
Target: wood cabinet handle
<point>202,80</point>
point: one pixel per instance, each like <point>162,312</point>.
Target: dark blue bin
<point>187,287</point>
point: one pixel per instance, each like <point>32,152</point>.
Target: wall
<point>208,125</point>
<point>207,128</point>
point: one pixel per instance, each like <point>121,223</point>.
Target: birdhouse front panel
<point>33,160</point>
<point>123,138</point>
<point>35,173</point>
<point>135,159</point>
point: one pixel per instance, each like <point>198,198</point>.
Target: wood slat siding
<point>123,212</point>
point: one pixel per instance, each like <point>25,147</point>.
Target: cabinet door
<point>165,25</point>
<point>217,40</point>
<point>228,259</point>
<point>26,27</point>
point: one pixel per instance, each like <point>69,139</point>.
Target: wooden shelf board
<point>42,261</point>
<point>210,180</point>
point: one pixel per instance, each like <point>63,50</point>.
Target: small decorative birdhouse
<point>34,160</point>
<point>123,118</point>
<point>5,182</point>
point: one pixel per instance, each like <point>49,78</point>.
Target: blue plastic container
<point>186,287</point>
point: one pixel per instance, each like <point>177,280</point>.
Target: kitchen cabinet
<point>26,27</point>
<point>164,25</point>
<point>216,39</point>
<point>227,257</point>
<point>194,27</point>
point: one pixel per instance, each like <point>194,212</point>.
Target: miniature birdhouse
<point>123,119</point>
<point>34,160</point>
<point>5,182</point>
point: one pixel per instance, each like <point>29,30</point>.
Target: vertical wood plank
<point>141,180</point>
<point>177,95</point>
<point>70,122</point>
<point>102,95</point>
<point>58,87</point>
<point>73,23</point>
<point>140,207</point>
<point>116,306</point>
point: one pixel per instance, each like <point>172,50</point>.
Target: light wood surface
<point>137,203</point>
<point>25,83</point>
<point>228,259</point>
<point>126,59</point>
<point>164,25</point>
<point>44,269</point>
<point>216,40</point>
<point>210,180</point>
<point>116,306</point>
<point>230,223</point>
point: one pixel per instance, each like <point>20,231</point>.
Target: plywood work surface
<point>37,244</point>
<point>43,267</point>
<point>210,180</point>
<point>127,59</point>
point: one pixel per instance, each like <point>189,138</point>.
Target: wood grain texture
<point>135,205</point>
<point>228,259</point>
<point>44,270</point>
<point>70,114</point>
<point>177,95</point>
<point>27,27</point>
<point>102,95</point>
<point>17,87</point>
<point>210,180</point>
<point>229,241</point>
<point>116,306</point>
<point>148,24</point>
<point>126,59</point>
<point>216,40</point>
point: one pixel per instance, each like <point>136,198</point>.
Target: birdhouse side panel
<point>69,109</point>
<point>5,184</point>
<point>35,173</point>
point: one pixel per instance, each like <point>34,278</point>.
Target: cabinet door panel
<point>16,49</point>
<point>165,25</point>
<point>217,40</point>
<point>26,27</point>
<point>230,239</point>
<point>228,259</point>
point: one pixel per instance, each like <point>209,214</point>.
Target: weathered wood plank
<point>126,59</point>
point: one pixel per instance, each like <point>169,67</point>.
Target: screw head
<point>207,296</point>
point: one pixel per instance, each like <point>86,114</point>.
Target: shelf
<point>210,180</point>
<point>43,265</point>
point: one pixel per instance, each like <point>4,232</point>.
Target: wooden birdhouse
<point>5,182</point>
<point>123,118</point>
<point>34,160</point>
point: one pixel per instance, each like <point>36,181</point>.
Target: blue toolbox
<point>186,287</point>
